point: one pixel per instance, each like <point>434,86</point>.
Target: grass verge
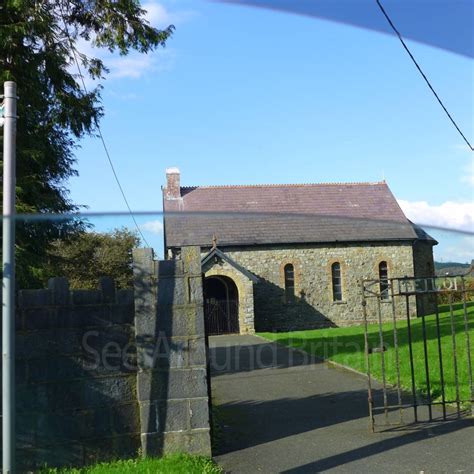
<point>346,346</point>
<point>172,464</point>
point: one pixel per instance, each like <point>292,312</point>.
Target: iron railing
<point>397,321</point>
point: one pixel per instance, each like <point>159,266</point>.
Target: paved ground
<point>280,412</point>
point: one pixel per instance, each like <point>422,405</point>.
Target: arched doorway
<point>221,305</point>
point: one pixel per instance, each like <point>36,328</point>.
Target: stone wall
<point>107,374</point>
<point>76,388</point>
<point>313,305</point>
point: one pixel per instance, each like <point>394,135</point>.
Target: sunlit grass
<point>346,346</point>
<point>172,464</point>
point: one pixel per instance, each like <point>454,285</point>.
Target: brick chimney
<point>172,190</point>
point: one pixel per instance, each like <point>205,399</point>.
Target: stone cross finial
<point>214,241</point>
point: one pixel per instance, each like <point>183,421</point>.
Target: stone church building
<point>287,257</point>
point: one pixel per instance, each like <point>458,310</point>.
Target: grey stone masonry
<point>313,304</point>
<point>75,376</point>
<point>106,374</point>
<point>171,379</point>
<point>423,263</point>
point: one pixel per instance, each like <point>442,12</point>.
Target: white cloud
<point>156,14</point>
<point>160,17</point>
<point>155,227</point>
<point>123,96</point>
<point>136,65</point>
<point>131,66</point>
<point>449,215</point>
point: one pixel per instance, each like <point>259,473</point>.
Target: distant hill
<point>453,268</point>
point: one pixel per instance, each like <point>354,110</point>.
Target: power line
<point>100,132</point>
<point>423,74</point>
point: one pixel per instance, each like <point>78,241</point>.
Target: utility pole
<point>8,292</point>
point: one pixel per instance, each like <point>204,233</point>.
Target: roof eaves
<point>422,235</point>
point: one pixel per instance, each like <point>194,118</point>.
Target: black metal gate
<point>419,365</point>
<point>221,317</point>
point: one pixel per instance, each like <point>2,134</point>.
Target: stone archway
<point>219,265</point>
<point>221,305</point>
<point>245,295</point>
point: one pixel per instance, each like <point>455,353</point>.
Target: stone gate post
<point>171,378</point>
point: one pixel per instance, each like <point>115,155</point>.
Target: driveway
<point>279,411</point>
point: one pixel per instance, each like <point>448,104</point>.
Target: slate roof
<point>284,214</point>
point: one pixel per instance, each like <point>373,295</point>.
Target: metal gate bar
<point>427,368</point>
<point>382,354</point>
<point>397,352</point>
<point>455,359</point>
<point>468,342</point>
<point>367,361</point>
<point>440,353</point>
<point>404,292</point>
<point>412,366</point>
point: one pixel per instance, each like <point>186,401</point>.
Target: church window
<point>336,281</point>
<point>289,273</point>
<point>383,277</point>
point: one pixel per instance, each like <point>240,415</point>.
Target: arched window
<point>383,277</point>
<point>336,281</point>
<point>289,272</point>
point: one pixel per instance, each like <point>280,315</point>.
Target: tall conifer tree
<point>38,48</point>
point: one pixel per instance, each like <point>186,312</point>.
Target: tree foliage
<point>38,49</point>
<point>87,256</point>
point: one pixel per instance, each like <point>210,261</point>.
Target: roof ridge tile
<point>237,186</point>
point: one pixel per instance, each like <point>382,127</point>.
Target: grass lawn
<point>346,346</point>
<point>172,464</point>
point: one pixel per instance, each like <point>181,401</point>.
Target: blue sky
<point>243,96</point>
